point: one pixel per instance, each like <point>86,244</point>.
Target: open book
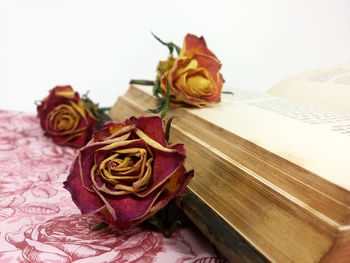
<point>276,169</point>
<point>327,87</point>
<point>307,124</point>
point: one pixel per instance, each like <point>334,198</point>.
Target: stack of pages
<point>274,167</point>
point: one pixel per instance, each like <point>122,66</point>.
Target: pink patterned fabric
<point>40,223</point>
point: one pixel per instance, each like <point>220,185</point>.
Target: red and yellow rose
<point>64,117</point>
<point>194,77</point>
<point>127,172</point>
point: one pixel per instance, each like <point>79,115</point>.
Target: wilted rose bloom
<point>64,117</point>
<point>194,77</point>
<point>127,172</point>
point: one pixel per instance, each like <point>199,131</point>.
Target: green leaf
<point>156,88</point>
<point>171,46</point>
<point>172,228</point>
<point>88,103</point>
<point>102,117</point>
<point>99,113</point>
<point>167,128</point>
<point>101,226</point>
<point>228,92</point>
<point>167,219</point>
<point>141,82</point>
<point>156,222</point>
<point>162,105</point>
<point>104,109</point>
<point>167,99</point>
<point>178,49</point>
<point>159,108</point>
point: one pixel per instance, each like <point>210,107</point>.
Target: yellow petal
<point>152,142</point>
<point>147,176</point>
<point>192,64</point>
<point>79,108</point>
<point>199,82</point>
<point>66,94</point>
<point>131,150</point>
<point>59,113</point>
<point>117,144</point>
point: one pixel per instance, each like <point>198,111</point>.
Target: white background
<point>99,45</point>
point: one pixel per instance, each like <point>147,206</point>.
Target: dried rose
<point>64,117</point>
<point>194,77</point>
<point>127,172</point>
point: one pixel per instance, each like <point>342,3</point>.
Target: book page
<point>307,113</point>
<point>328,87</point>
<point>314,137</point>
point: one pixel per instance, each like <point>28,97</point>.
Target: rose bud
<point>194,78</point>
<point>64,117</point>
<point>127,172</point>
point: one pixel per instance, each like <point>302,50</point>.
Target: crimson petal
<point>85,200</point>
<point>153,127</point>
<point>130,207</point>
<point>165,164</point>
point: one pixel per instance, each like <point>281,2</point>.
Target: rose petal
<point>111,128</point>
<point>64,91</point>
<point>89,155</point>
<point>150,142</point>
<point>153,127</point>
<point>75,139</point>
<point>129,207</point>
<point>79,182</point>
<point>194,45</point>
<point>124,210</point>
<point>64,96</point>
<point>165,164</point>
<point>175,185</point>
<point>180,148</point>
<point>103,152</point>
<point>213,69</point>
<point>195,58</point>
<point>55,100</point>
<point>85,200</point>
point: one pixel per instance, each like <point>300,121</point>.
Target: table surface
<point>40,223</point>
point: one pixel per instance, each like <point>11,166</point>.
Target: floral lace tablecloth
<point>40,223</point>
